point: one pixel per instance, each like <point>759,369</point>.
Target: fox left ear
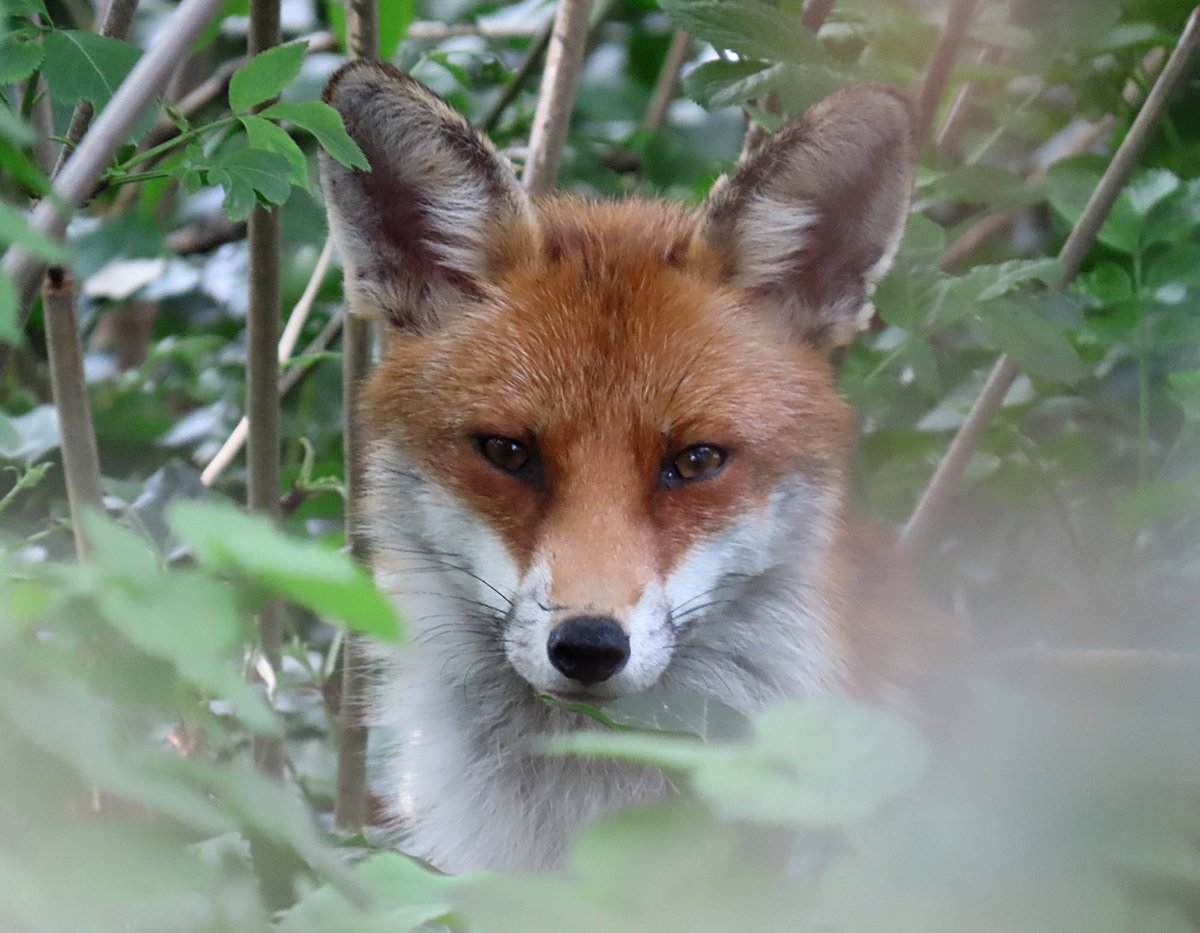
<point>422,233</point>
<point>814,217</point>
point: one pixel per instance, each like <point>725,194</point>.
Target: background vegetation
<point>128,724</point>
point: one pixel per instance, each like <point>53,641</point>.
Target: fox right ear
<point>813,217</point>
<point>419,233</point>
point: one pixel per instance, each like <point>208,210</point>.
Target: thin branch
<point>118,17</point>
<point>814,14</point>
<point>262,383</point>
<point>72,407</point>
<point>350,798</point>
<point>945,55</point>
<point>668,81</point>
<point>950,471</point>
<point>948,135</point>
<point>551,119</point>
<point>431,31</point>
<point>518,81</point>
<point>204,236</point>
<point>78,177</point>
<point>287,344</point>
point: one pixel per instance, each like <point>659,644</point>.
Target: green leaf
<point>265,75</point>
<point>326,125</point>
<point>20,55</point>
<point>722,84</point>
<point>1070,185</point>
<point>86,66</point>
<point>750,28</point>
<point>1108,283</point>
<point>250,175</point>
<point>405,895</point>
<point>14,228</point>
<point>264,134</point>
<point>1149,188</point>
<point>1037,345</point>
<point>1184,388</point>
<point>327,582</point>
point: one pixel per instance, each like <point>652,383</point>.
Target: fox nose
<point>589,649</point>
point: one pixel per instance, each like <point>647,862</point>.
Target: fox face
<point>600,431</point>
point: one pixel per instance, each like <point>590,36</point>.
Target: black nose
<point>588,649</point>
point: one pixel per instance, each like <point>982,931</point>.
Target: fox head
<point>595,425</point>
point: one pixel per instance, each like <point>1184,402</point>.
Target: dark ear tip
<point>360,73</point>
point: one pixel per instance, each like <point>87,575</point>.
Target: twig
<point>81,462</point>
<point>950,471</point>
<point>948,135</point>
<point>205,235</point>
<point>524,72</point>
<point>262,384</point>
<point>430,31</point>
<point>564,59</point>
<point>287,344</point>
<point>118,17</point>
<point>937,72</point>
<point>814,14</point>
<point>78,177</point>
<point>812,17</point>
<point>668,81</point>
<point>350,799</point>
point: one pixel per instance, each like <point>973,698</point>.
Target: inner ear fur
<point>423,231</point>
<point>813,218</point>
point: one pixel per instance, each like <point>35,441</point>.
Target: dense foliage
<point>128,800</point>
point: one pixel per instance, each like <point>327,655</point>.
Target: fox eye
<point>692,463</point>
<point>503,452</point>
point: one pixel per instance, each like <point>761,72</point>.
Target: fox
<point>605,451</point>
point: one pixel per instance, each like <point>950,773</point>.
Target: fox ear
<point>420,232</point>
<point>813,218</point>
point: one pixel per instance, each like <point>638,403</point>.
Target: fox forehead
<point>616,321</point>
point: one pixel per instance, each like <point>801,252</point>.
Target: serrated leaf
<point>86,66</point>
<point>326,125</point>
<point>327,582</point>
<point>265,75</point>
<point>264,134</point>
<point>1108,283</point>
<point>251,175</point>
<point>748,27</point>
<point>1037,345</point>
<point>20,55</point>
<point>722,83</point>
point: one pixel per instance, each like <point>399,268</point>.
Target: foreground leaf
<point>329,583</point>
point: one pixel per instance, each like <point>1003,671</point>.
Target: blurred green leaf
<point>20,55</point>
<point>1034,343</point>
<point>748,27</point>
<point>327,582</point>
